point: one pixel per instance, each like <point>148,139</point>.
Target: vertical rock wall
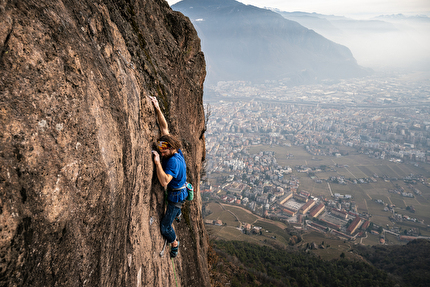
<point>80,204</point>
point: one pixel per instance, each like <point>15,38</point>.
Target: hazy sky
<point>351,8</point>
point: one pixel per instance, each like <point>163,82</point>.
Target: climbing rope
<point>174,272</point>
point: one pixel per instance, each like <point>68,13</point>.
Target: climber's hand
<point>155,102</point>
<point>156,156</point>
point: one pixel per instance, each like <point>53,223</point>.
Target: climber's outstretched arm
<point>164,128</point>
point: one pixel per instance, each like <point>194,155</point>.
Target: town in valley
<point>349,158</point>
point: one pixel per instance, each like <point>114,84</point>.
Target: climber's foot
<point>174,250</point>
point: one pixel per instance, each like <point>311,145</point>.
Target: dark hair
<point>172,140</point>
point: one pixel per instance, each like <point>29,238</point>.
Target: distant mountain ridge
<point>401,17</point>
<point>243,42</point>
<point>318,22</point>
<point>386,42</point>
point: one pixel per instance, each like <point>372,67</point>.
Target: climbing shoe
<point>178,218</point>
<point>174,251</point>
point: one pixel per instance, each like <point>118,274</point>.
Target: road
<point>329,188</point>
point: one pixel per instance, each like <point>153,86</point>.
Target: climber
<point>172,173</point>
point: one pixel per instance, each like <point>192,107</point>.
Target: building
<point>256,229</point>
<point>330,224</point>
<point>340,234</point>
<point>317,226</point>
<point>285,198</point>
<point>300,197</point>
<point>339,213</point>
<point>315,212</point>
<point>355,224</point>
<point>365,225</point>
<point>308,205</point>
<point>305,193</point>
<point>288,212</point>
<point>247,226</point>
<point>236,187</point>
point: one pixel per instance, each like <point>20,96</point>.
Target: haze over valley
<point>383,43</point>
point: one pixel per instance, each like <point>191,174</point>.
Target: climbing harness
<point>174,272</point>
<point>188,186</point>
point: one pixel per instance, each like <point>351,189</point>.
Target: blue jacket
<point>176,167</point>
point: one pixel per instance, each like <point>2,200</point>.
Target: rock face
<point>80,202</point>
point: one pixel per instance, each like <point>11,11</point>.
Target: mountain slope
<point>80,203</point>
<point>243,42</point>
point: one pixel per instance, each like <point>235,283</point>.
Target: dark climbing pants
<point>166,223</point>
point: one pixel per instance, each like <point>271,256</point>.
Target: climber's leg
<point>166,223</point>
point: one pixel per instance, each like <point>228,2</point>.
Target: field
<point>273,234</point>
<point>352,166</point>
<point>359,166</point>
<point>333,247</point>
